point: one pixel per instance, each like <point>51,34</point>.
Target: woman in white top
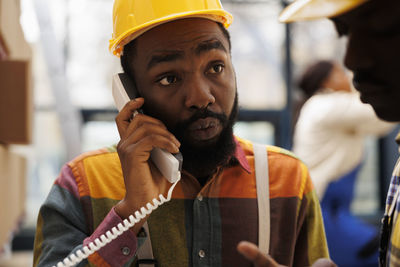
<point>329,137</point>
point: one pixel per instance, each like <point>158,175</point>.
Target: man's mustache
<point>202,114</point>
<point>179,129</point>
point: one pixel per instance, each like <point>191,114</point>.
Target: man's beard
<point>202,159</point>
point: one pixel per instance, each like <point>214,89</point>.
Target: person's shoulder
<point>337,98</point>
<point>284,161</point>
<point>98,173</point>
<point>98,155</point>
<point>281,152</point>
<point>289,176</point>
<point>96,163</point>
<point>275,151</point>
<point>87,168</point>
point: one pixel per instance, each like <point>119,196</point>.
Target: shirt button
<point>126,251</point>
<point>202,254</point>
<point>200,198</point>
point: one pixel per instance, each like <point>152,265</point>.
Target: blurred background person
<point>329,136</point>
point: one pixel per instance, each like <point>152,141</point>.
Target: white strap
<point>146,251</point>
<point>262,181</point>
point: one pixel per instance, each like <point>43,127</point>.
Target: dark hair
<point>129,52</point>
<point>314,76</point>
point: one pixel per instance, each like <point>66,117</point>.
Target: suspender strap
<point>262,181</point>
<point>145,252</point>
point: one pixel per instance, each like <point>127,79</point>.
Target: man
<point>330,137</point>
<point>178,57</point>
<point>373,54</point>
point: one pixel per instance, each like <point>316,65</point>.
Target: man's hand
<point>253,254</point>
<point>139,135</point>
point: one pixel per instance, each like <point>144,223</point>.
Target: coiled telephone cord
<point>112,234</point>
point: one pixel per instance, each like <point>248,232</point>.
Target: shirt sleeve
<point>62,228</point>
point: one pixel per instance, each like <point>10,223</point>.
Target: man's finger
<point>125,115</point>
<point>324,263</point>
<point>253,254</point>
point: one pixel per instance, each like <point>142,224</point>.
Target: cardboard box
<point>12,192</point>
<point>16,108</point>
<point>11,33</point>
<point>16,103</point>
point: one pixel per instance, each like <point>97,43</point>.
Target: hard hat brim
<point>116,45</point>
<point>316,9</point>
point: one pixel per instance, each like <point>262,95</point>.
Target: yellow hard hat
<point>132,18</point>
<point>314,9</point>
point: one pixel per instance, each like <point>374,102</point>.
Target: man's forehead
<point>374,14</point>
<point>355,15</point>
<point>197,47</point>
<point>176,37</point>
<point>169,55</point>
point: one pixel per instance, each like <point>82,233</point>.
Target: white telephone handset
<point>169,165</point>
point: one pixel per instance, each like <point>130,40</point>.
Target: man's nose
<point>198,93</point>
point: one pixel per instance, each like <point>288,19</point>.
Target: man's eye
<point>167,80</point>
<point>217,68</point>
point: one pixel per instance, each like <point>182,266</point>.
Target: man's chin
<point>202,157</point>
<point>201,143</point>
<point>384,103</point>
<point>388,113</point>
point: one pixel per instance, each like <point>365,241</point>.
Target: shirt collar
<point>241,156</point>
